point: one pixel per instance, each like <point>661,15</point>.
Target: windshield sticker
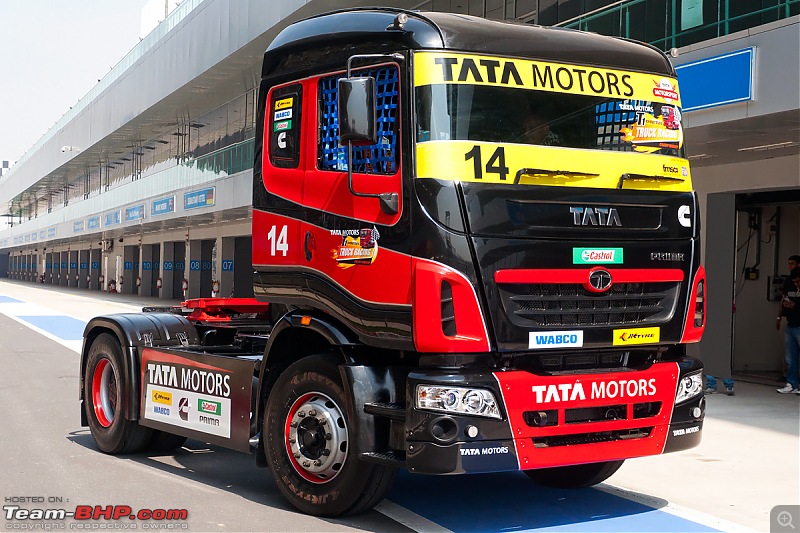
<point>520,164</point>
<point>651,133</point>
<point>359,247</point>
<point>450,68</point>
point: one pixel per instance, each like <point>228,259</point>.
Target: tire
<point>162,441</point>
<point>575,476</point>
<point>104,389</point>
<point>313,464</point>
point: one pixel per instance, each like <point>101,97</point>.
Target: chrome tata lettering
<point>599,390</point>
<point>595,216</point>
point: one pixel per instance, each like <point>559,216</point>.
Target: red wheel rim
<point>104,393</point>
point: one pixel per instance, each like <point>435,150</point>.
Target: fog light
<point>696,412</point>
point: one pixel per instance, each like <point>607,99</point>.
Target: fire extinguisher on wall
<point>158,283</point>
<point>185,286</point>
<point>120,282</point>
<point>214,289</point>
<point>138,281</point>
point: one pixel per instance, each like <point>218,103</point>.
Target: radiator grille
<point>570,304</point>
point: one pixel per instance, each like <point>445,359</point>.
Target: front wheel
<point>574,476</point>
<point>105,388</point>
<point>307,437</point>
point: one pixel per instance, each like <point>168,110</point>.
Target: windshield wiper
<point>628,176</point>
<point>568,173</point>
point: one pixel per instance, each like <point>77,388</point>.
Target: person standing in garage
<point>790,308</point>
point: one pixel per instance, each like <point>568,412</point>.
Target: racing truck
<point>475,249</point>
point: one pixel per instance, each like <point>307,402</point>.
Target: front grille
<point>591,438</point>
<point>571,305</point>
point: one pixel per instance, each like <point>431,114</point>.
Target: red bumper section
<point>565,420</point>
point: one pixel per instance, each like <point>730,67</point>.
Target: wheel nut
<point>317,463</point>
<point>297,455</point>
<point>293,424</point>
<point>292,441</point>
<point>301,414</point>
<point>322,421</point>
<point>312,412</point>
<point>306,464</point>
<point>326,452</point>
<point>328,436</point>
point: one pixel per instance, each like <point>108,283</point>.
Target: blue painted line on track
<point>9,300</point>
<point>63,327</point>
<point>512,502</point>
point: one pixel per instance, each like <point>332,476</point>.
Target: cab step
<point>394,411</point>
<point>394,458</point>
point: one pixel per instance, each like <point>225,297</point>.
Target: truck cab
<point>479,254</point>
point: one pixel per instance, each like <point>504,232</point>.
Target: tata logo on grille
<point>600,280</point>
<point>595,216</point>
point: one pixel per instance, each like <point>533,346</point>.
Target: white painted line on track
<point>408,518</point>
<point>76,345</point>
<point>676,510</point>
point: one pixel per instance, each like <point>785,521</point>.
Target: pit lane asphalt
<point>747,463</point>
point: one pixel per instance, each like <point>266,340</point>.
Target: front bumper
<point>555,420</point>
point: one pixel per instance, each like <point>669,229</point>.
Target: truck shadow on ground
<point>478,502</point>
<point>232,472</point>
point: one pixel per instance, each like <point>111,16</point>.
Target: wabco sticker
<point>625,337</point>
<point>283,104</point>
<point>359,247</point>
<point>593,256</point>
<point>281,126</point>
<point>555,339</point>
<point>283,115</point>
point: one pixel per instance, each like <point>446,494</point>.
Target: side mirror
<point>357,121</point>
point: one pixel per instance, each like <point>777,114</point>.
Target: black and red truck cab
<point>480,254</point>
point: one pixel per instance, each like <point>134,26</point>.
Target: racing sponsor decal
<point>611,389</point>
<point>162,397</point>
<point>598,169</point>
<point>358,247</point>
<point>281,126</point>
<point>437,67</point>
<point>282,115</point>
<point>493,456</point>
<point>625,337</point>
<point>555,339</point>
<point>667,256</point>
<point>208,389</point>
<point>594,256</point>
<point>652,132</point>
<point>686,431</point>
<point>283,103</point>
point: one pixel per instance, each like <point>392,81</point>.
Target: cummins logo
<point>595,216</point>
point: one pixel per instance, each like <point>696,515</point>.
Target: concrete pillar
<point>147,270</point>
<point>167,269</point>
<point>128,285</point>
<point>63,279</point>
<point>225,265</point>
<point>179,271</point>
<point>74,276</point>
<point>83,269</point>
<point>95,258</point>
<point>194,256</point>
<point>243,268</point>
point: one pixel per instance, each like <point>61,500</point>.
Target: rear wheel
<point>574,476</point>
<point>105,388</point>
<point>307,440</point>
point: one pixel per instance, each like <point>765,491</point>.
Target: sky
<point>52,52</point>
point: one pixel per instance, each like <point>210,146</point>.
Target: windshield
<point>510,115</point>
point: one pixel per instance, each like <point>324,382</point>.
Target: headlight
<point>689,387</point>
<point>457,400</point>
